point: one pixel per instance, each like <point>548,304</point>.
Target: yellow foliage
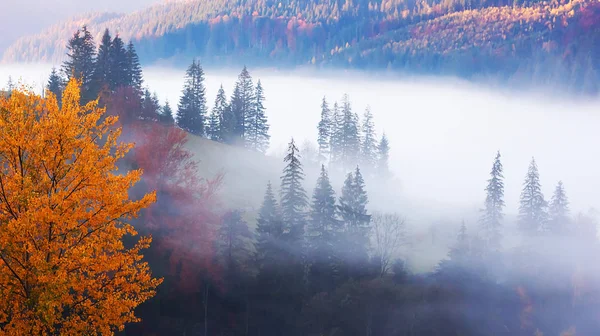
<point>64,269</point>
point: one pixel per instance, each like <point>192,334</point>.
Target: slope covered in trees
<point>530,40</point>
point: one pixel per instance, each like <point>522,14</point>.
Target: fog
<point>443,133</point>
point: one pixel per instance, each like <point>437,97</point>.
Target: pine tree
<point>559,211</point>
<point>461,251</point>
<point>293,196</point>
<point>55,85</point>
<point>119,65</point>
<point>355,243</point>
<point>350,139</point>
<point>269,230</point>
<point>335,138</point>
<point>324,129</point>
<point>134,69</point>
<point>217,129</point>
<point>191,110</point>
<point>491,219</point>
<point>166,115</point>
<point>242,103</point>
<point>532,209</point>
<point>322,233</point>
<point>150,106</point>
<point>81,61</point>
<point>103,66</point>
<point>369,141</point>
<point>257,129</point>
<point>232,248</point>
<point>10,85</point>
<point>383,157</point>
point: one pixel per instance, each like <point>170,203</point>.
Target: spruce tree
<point>150,106</point>
<point>369,141</point>
<point>166,115</point>
<point>324,129</point>
<point>269,230</point>
<point>80,63</point>
<point>335,138</point>
<point>217,129</point>
<point>383,157</point>
<point>293,196</point>
<point>232,249</point>
<point>559,211</point>
<point>491,219</point>
<point>257,129</point>
<point>350,139</point>
<point>55,85</point>
<point>10,85</point>
<point>321,234</point>
<point>119,64</point>
<point>134,69</point>
<point>532,208</point>
<point>102,71</point>
<point>355,242</point>
<point>242,104</point>
<point>191,110</point>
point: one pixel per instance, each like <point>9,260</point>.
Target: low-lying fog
<point>443,133</point>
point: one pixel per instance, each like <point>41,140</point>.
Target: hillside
<point>526,41</point>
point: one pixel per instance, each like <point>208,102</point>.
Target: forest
<point>551,43</point>
<point>313,261</point>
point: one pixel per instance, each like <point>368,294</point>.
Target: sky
<point>24,17</point>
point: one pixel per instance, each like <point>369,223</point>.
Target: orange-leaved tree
<point>64,269</point>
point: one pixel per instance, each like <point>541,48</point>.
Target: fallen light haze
<point>443,133</point>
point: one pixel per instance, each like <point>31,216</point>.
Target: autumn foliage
<point>64,269</point>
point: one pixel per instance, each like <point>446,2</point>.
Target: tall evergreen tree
<point>191,110</point>
<point>491,219</point>
<point>166,114</point>
<point>293,196</point>
<point>324,129</point>
<point>532,209</point>
<point>102,70</point>
<point>269,230</point>
<point>257,127</point>
<point>119,64</point>
<point>355,244</point>
<point>242,103</point>
<point>134,69</point>
<point>80,63</point>
<point>559,211</point>
<point>369,141</point>
<point>322,232</point>
<point>350,139</point>
<point>232,245</point>
<point>383,157</point>
<point>55,85</point>
<point>217,128</point>
<point>336,135</point>
<point>150,106</point>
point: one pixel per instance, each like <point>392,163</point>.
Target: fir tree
<point>134,69</point>
<point>119,65</point>
<point>232,245</point>
<point>369,142</point>
<point>324,129</point>
<point>103,62</point>
<point>532,209</point>
<point>559,211</point>
<point>217,130</point>
<point>257,127</point>
<point>242,103</point>
<point>335,138</point>
<point>269,230</point>
<point>293,196</point>
<point>10,85</point>
<point>355,244</point>
<point>191,110</point>
<point>462,249</point>
<point>383,157</point>
<point>322,231</point>
<point>349,137</point>
<point>166,115</point>
<point>150,106</point>
<point>491,219</point>
<point>80,62</point>
<point>55,85</point>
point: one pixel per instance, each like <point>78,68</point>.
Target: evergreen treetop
<point>559,211</point>
<point>324,130</point>
<point>532,208</point>
<point>491,219</point>
<point>293,196</point>
<point>191,110</point>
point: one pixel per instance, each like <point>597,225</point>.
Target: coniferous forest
<point>313,259</point>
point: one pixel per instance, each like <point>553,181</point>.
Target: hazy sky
<point>24,17</point>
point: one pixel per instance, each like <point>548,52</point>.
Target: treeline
<point>550,43</point>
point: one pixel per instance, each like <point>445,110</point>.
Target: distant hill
<point>532,41</point>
